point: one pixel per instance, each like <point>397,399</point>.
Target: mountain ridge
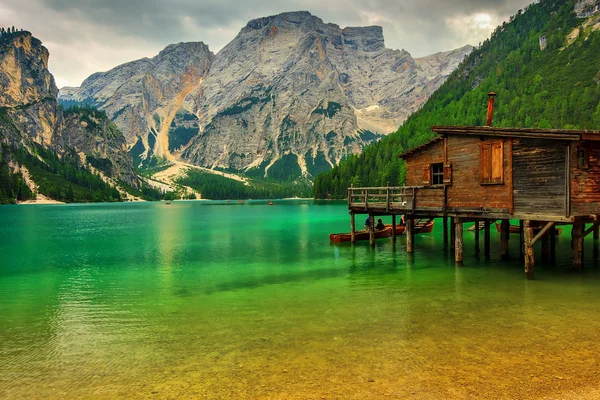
<point>288,85</point>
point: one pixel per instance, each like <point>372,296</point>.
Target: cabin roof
<point>550,134</point>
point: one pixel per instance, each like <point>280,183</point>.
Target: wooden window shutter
<point>448,173</point>
<point>485,163</point>
<point>427,175</point>
<point>497,163</point>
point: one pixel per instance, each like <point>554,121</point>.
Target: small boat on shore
<point>516,229</point>
<point>360,235</point>
<point>270,203</point>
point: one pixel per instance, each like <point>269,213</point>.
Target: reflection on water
<point>228,300</point>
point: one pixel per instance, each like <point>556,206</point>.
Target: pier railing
<point>398,198</point>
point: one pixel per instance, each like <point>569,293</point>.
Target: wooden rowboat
<point>359,235</point>
<point>516,229</point>
<point>420,227</point>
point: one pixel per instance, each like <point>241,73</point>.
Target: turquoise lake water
<point>234,300</point>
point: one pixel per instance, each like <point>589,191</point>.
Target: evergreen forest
<point>544,65</point>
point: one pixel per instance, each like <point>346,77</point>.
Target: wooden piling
<point>476,236</point>
<point>352,228</point>
<point>521,240</point>
<point>394,227</point>
<point>529,259</point>
<point>553,246</point>
<point>546,246</point>
<point>504,237</point>
<point>596,233</point>
<point>486,238</point>
<point>371,229</point>
<point>452,232</point>
<point>445,222</point>
<point>577,245</point>
<point>458,246</point>
<point>410,233</point>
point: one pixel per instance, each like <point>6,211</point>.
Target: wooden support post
<point>410,233</point>
<point>371,229</point>
<point>545,246</point>
<point>521,240</point>
<point>353,228</point>
<point>504,236</point>
<point>394,227</point>
<point>577,245</point>
<point>486,238</point>
<point>452,232</point>
<point>458,247</point>
<point>596,249</point>
<point>596,232</point>
<point>529,260</point>
<point>553,245</point>
<point>476,236</point>
<point>445,222</point>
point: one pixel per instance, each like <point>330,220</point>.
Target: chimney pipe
<point>490,112</point>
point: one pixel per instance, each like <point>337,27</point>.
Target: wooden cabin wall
<point>466,189</point>
<point>585,182</point>
<point>539,173</point>
<point>415,162</point>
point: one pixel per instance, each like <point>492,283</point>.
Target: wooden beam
<point>353,228</point>
<point>529,259</point>
<point>458,247</point>
<point>593,228</point>
<point>394,227</point>
<point>543,231</point>
<point>410,233</point>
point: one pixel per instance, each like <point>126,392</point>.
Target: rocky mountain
<point>290,95</point>
<point>32,122</point>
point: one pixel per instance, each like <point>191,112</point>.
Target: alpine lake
<point>228,300</point>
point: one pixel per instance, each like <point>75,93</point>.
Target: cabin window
<point>492,163</point>
<point>437,174</point>
<point>582,159</point>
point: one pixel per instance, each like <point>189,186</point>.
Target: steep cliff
<point>33,125</point>
<point>290,92</point>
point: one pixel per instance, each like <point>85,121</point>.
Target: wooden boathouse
<point>482,174</point>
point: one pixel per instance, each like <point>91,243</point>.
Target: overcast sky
<point>87,36</point>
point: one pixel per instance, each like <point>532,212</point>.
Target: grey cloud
<point>82,32</point>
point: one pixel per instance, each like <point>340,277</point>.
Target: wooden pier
<point>541,177</point>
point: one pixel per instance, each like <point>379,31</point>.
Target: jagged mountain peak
<point>287,87</point>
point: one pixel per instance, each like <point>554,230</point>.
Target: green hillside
<point>558,87</point>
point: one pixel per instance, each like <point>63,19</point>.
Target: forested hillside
<point>545,67</point>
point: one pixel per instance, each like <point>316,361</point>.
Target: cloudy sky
<point>87,36</point>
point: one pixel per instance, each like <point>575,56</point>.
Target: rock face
<point>29,110</point>
<point>143,96</point>
<point>290,92</point>
<point>587,8</point>
<point>28,94</point>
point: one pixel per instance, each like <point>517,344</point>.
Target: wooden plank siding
<point>418,161</point>
<point>539,176</point>
<point>467,190</point>
<point>585,181</point>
